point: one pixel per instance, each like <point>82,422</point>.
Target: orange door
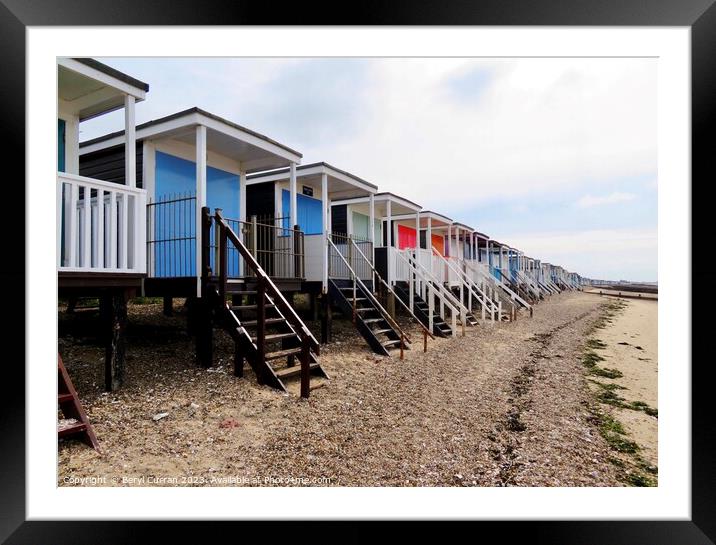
<point>439,244</point>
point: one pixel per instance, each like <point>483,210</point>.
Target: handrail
<point>375,271</point>
<point>504,286</point>
<point>433,284</point>
<point>368,292</point>
<point>527,280</point>
<point>279,299</point>
<point>457,303</point>
<point>472,286</point>
<point>95,183</point>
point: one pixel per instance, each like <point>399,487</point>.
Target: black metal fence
<point>279,250</point>
<point>171,236</point>
<point>171,242</point>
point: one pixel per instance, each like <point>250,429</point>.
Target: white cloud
<point>482,128</point>
<point>588,200</point>
<point>612,254</point>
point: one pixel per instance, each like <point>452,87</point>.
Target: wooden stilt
<point>325,319</point>
<point>238,361</point>
<point>168,305</point>
<point>204,331</point>
<point>191,318</point>
<point>114,312</point>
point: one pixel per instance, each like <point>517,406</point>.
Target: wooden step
<point>365,309</point>
<point>64,398</point>
<point>293,371</point>
<point>235,308</point>
<point>282,353</point>
<point>391,343</point>
<point>373,320</point>
<point>275,337</point>
<point>267,321</point>
<point>380,331</point>
<point>72,429</point>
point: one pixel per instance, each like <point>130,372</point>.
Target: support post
<point>242,215</point>
<point>325,319</point>
<point>293,200</point>
<point>168,305</point>
<point>371,228</point>
<point>200,200</point>
<point>324,223</point>
<point>204,333</point>
<point>114,312</point>
<point>305,370</point>
<point>130,147</point>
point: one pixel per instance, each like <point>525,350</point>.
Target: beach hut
<point>193,166</point>
<point>100,250</point>
<point>336,209</point>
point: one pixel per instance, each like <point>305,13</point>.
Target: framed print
<point>433,263</point>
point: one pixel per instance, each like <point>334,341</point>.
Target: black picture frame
<point>699,15</point>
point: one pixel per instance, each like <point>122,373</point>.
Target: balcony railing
<point>171,242</point>
<point>100,226</point>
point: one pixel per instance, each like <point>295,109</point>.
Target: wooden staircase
<point>71,408</point>
<point>370,320</point>
<point>422,311</point>
<point>469,317</point>
<point>267,332</point>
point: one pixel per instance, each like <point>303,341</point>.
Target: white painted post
<point>371,227</point>
<point>324,222</point>
<point>200,197</point>
<point>99,235</point>
<point>60,206</point>
<point>293,197</point>
<point>389,215</point>
<point>449,240</point>
<point>86,228</point>
<point>389,241</point>
<point>124,232</point>
<point>72,235</point>
<point>417,232</point>
<point>113,251</point>
<point>242,215</point>
<point>130,149</point>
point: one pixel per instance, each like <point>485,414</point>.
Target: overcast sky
<point>556,157</point>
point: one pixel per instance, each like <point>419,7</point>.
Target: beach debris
<point>159,416</point>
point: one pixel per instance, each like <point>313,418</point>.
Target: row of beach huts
<point>192,206</point>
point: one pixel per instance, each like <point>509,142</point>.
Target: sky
<point>554,156</point>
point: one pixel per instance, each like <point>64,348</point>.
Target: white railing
<point>428,289</point>
<point>455,269</point>
<point>498,284</point>
<point>101,226</point>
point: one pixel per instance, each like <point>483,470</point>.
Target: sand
<point>632,348</point>
<point>506,405</point>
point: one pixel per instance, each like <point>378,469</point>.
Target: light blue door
<point>174,215</point>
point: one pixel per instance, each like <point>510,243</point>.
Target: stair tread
<point>267,321</point>
<point>373,320</point>
<point>77,427</point>
<point>250,307</point>
<point>64,398</point>
<point>282,353</point>
<point>391,343</point>
<point>381,331</point>
<point>293,370</point>
<point>275,336</point>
